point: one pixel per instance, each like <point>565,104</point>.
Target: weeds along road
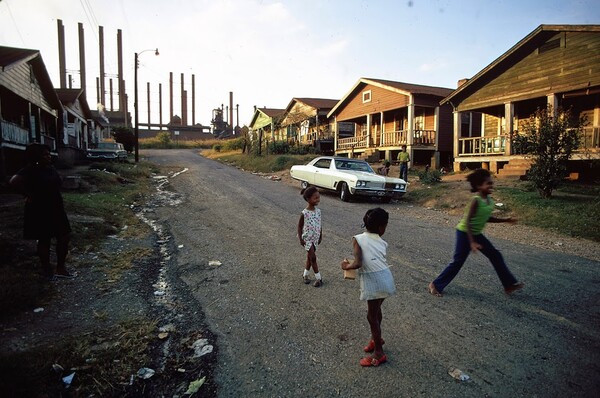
<point>278,337</point>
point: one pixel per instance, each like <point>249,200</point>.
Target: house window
<point>366,96</point>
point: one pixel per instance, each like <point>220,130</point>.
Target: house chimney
<point>461,82</point>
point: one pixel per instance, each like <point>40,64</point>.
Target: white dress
<point>376,280</point>
<point>312,228</point>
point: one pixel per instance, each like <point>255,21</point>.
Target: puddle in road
<point>163,292</point>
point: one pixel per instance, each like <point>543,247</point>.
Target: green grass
<point>573,210</point>
<point>264,164</point>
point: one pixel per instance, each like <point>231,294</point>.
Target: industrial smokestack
<point>82,58</point>
<point>171,96</point>
<point>183,115</point>
<point>148,97</point>
<point>102,98</point>
<point>231,108</point>
<point>121,82</point>
<point>193,100</point>
<point>62,68</point>
<point>160,106</point>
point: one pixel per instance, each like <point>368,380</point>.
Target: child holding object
<point>376,280</point>
<point>309,232</point>
<point>469,237</point>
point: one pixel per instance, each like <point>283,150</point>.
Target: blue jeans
<point>461,252</point>
<point>404,171</point>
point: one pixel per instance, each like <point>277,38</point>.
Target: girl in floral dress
<point>310,234</point>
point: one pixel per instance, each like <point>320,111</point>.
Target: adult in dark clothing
<point>45,216</point>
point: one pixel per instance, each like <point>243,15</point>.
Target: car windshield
<point>108,145</point>
<point>353,165</point>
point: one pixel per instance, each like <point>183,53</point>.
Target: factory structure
<point>112,99</point>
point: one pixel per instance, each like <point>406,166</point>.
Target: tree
<point>550,138</point>
<point>125,136</point>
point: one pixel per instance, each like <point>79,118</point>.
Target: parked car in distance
<point>349,178</point>
<point>108,151</point>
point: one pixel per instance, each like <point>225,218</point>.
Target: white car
<point>348,177</point>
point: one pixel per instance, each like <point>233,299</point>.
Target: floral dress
<point>312,228</point>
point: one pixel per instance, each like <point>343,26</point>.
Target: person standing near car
<point>403,159</point>
<point>45,217</point>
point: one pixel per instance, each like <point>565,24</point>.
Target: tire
<point>345,194</point>
<point>304,184</point>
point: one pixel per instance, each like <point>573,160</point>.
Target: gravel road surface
<point>277,337</point>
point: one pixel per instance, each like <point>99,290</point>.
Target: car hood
<point>364,175</point>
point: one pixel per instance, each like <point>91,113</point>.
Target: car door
<point>323,176</point>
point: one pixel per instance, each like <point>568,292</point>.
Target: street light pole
<point>135,104</point>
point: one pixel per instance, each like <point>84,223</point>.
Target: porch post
<point>335,134</point>
<point>411,120</point>
<point>552,100</point>
<point>456,124</point>
<point>436,126</point>
<point>368,130</point>
<point>382,130</point>
<point>509,115</point>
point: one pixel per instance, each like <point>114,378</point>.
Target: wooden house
<point>29,106</point>
<point>557,65</point>
<point>305,122</point>
<point>265,122</point>
<point>76,123</point>
<point>377,117</point>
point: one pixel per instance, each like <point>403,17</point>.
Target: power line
<point>15,23</point>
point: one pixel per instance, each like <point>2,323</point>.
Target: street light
<point>135,103</point>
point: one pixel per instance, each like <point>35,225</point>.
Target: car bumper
<point>379,193</point>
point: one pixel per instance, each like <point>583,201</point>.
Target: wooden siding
<point>19,81</point>
<point>261,121</point>
<point>381,100</point>
<point>574,65</point>
<point>445,132</point>
<point>297,113</point>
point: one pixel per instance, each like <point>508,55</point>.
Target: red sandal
<point>371,361</point>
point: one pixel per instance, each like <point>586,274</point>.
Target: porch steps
<point>370,155</point>
<point>515,168</point>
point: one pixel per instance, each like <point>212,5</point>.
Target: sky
<point>267,52</point>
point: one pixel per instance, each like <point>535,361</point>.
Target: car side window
<point>323,163</point>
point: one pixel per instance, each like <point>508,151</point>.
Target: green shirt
<point>403,157</point>
<point>481,216</point>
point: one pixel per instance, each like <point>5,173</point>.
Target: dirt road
<point>277,337</point>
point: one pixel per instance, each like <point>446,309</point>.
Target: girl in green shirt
<point>469,237</point>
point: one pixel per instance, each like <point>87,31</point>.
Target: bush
<point>279,147</point>
<point>125,136</point>
<point>164,139</point>
<point>430,176</point>
<point>234,144</point>
<point>217,147</point>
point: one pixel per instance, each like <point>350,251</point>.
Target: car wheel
<point>345,193</point>
<point>304,184</point>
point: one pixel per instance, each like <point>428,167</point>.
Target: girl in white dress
<point>310,234</point>
<point>376,280</point>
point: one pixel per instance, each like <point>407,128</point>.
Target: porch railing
<point>590,138</point>
<point>424,137</point>
<point>13,133</point>
<point>394,138</point>
<point>352,142</point>
<point>50,141</point>
<point>473,146</point>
